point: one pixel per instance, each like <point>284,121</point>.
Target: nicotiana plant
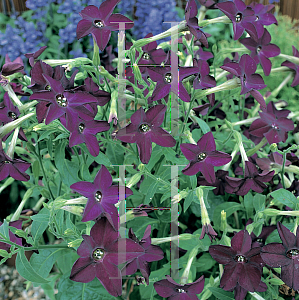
<point>175,177</point>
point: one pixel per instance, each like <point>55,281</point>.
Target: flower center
<point>257,18</point>
<point>238,17</point>
<point>98,23</point>
<point>260,241</point>
<point>98,196</point>
<point>293,253</point>
<point>81,127</point>
<point>168,77</point>
<point>258,49</point>
<point>146,56</point>
<point>275,126</point>
<point>48,88</point>
<point>98,254</point>
<point>61,100</point>
<point>12,115</point>
<point>240,258</point>
<point>7,162</point>
<point>181,291</point>
<point>201,156</point>
<point>144,128</point>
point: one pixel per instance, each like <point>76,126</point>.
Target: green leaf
<point>101,159</point>
<point>285,197</point>
<point>229,208</point>
<point>69,289</point>
<point>61,136</point>
<point>115,154</point>
<point>43,262</point>
<point>276,281</point>
<point>203,125</point>
<point>188,200</point>
<point>221,294</point>
<point>139,225</point>
<point>259,202</point>
<point>25,269</point>
<point>248,203</point>
<point>39,224</point>
<point>4,229</point>
<point>151,192</point>
<point>35,169</point>
<point>193,181</point>
<point>205,262</point>
<point>59,156</point>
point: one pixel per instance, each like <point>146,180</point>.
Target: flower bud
<point>273,147</point>
<point>76,210</point>
<point>70,232</point>
<point>4,253</point>
<point>113,108</point>
<point>76,243</point>
<point>271,212</point>
<point>134,179</point>
<point>223,224</point>
<point>141,167</point>
<point>137,73</point>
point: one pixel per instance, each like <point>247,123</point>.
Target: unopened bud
<point>273,147</point>
<point>134,179</point>
<point>76,243</point>
<point>223,223</point>
<point>4,253</point>
<point>76,210</point>
<point>70,232</point>
<point>141,167</point>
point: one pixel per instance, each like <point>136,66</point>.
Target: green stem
<point>282,170</point>
<point>284,82</point>
<point>257,147</point>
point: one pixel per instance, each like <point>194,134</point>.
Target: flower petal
<point>83,270</point>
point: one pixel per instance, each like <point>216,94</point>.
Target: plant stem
<point>282,169</point>
<point>284,82</point>
<point>257,147</point>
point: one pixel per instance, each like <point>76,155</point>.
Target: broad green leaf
<point>205,262</point>
<point>221,294</point>
<point>4,229</point>
<point>189,200</point>
<point>59,156</point>
<point>26,270</point>
<point>151,192</point>
<point>285,197</point>
<point>203,125</point>
<point>259,202</point>
<point>68,289</point>
<point>248,203</point>
<point>115,154</point>
<point>39,224</point>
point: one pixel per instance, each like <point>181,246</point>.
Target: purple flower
<point>62,101</point>
<point>10,68</point>
<point>9,113</point>
<point>12,167</point>
<point>163,77</point>
<point>151,253</point>
<point>100,22</point>
<point>293,66</point>
<point>208,230</point>
<point>250,81</point>
<point>262,50</point>
<point>262,17</point>
<point>17,60</point>
<point>203,55</point>
<point>12,237</point>
<point>242,263</point>
<point>33,56</point>
<point>100,253</point>
<point>145,129</point>
<point>273,161</point>
<point>102,196</point>
<point>252,180</point>
<point>273,125</point>
<point>242,17</point>
<point>168,288</point>
<point>142,210</point>
<point>284,256</point>
<point>235,59</point>
<point>204,157</point>
<point>192,22</point>
<point>85,132</point>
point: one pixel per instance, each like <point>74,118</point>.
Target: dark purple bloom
<point>251,181</point>
<point>85,132</point>
<point>273,125</point>
<point>9,69</point>
<point>240,293</point>
<point>100,253</point>
<point>204,157</point>
<point>168,288</point>
<point>9,113</point>
<point>151,253</point>
<point>17,60</point>
<point>12,237</point>
<point>220,183</point>
<point>203,55</point>
<point>262,17</point>
<point>250,81</point>
<point>242,17</point>
<point>294,188</point>
<point>145,129</point>
<point>12,167</point>
<point>102,196</point>
<point>284,256</point>
<point>235,59</point>
<point>192,22</point>
<point>163,77</point>
<point>208,230</point>
<point>294,67</point>
<point>262,50</point>
<point>273,161</point>
<point>33,56</point>
<point>62,101</point>
<point>142,210</point>
<point>100,22</point>
<point>242,263</point>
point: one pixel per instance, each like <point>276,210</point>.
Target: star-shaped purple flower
<point>262,17</point>
<point>102,196</point>
<point>273,125</point>
<point>100,22</point>
<point>33,56</point>
<point>241,16</point>
<point>251,181</point>
<point>151,253</point>
<point>192,22</point>
<point>261,50</point>
<point>250,81</point>
<point>100,253</point>
<point>168,288</point>
<point>204,157</point>
<point>12,237</point>
<point>274,160</point>
<point>163,77</point>
<point>145,129</point>
<point>284,256</point>
<point>12,167</point>
<point>294,67</point>
<point>242,263</point>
